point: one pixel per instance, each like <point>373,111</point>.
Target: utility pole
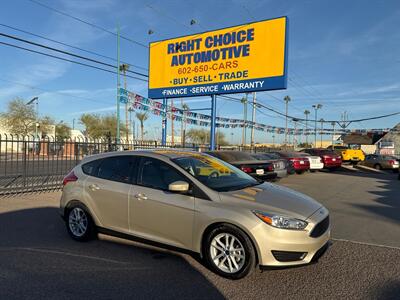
<point>73,123</point>
<point>172,122</point>
<point>286,99</point>
<point>36,101</point>
<point>316,107</point>
<point>253,119</point>
<point>273,140</point>
<point>124,68</point>
<point>322,129</point>
<point>294,133</point>
<point>244,101</point>
<point>306,112</point>
<point>131,122</point>
<point>333,132</point>
<point>118,86</point>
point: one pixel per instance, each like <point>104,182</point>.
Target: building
<point>390,143</point>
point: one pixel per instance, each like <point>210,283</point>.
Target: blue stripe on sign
<point>241,86</point>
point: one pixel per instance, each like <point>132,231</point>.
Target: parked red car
<point>331,159</point>
<point>299,163</point>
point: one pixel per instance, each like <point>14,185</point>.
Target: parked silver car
<point>379,162</point>
<point>195,202</point>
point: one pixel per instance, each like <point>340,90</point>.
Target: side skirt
<point>145,241</point>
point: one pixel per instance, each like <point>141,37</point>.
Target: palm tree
<point>142,117</point>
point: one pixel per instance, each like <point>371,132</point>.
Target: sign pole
<point>164,124</point>
<point>213,123</point>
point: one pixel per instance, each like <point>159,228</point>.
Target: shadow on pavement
<point>387,202</point>
<point>39,260</point>
<point>390,291</point>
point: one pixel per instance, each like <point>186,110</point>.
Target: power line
<point>325,121</point>
<point>68,60</point>
<point>66,52</point>
<point>88,23</point>
<point>68,45</point>
<point>50,91</point>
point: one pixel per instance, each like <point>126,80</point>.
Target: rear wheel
<point>300,172</point>
<point>79,224</point>
<point>378,167</point>
<point>229,252</point>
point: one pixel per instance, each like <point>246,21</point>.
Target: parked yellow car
<point>349,154</point>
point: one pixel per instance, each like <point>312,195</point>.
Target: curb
<point>365,168</point>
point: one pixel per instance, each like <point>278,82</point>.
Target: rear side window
<point>90,168</point>
<point>117,168</point>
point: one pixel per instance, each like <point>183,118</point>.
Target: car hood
<point>272,198</point>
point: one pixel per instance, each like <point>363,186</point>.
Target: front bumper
<point>285,248</point>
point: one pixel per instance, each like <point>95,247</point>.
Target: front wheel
<point>229,252</point>
<point>378,167</point>
<point>79,224</point>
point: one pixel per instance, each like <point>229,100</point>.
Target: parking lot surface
<point>38,259</point>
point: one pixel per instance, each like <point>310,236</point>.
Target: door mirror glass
<point>178,186</point>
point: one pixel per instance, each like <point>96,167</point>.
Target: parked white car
<point>316,162</point>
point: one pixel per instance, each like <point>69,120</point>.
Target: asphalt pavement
<point>38,260</point>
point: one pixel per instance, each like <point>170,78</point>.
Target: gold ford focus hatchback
<point>180,199</point>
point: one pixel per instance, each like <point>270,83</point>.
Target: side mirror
<point>178,186</point>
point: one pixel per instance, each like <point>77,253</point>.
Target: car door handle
<point>94,187</point>
<point>141,196</point>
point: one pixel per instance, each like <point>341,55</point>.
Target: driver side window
<point>156,174</point>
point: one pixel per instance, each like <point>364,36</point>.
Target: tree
<point>46,125</point>
<point>100,126</point>
<point>142,117</point>
<point>63,131</point>
<point>201,136</point>
<point>19,118</point>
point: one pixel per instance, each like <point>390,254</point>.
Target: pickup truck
<point>348,154</point>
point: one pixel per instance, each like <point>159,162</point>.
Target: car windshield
<point>215,173</point>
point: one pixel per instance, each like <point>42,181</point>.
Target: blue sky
<point>343,54</point>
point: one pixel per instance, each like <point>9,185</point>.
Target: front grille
<point>320,228</point>
<point>286,256</point>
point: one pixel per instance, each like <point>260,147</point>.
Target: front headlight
<point>281,221</point>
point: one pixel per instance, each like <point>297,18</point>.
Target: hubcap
<point>227,253</point>
<point>77,221</point>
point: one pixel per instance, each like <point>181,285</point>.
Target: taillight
<point>270,168</point>
<point>71,177</point>
<point>392,162</point>
<point>246,169</point>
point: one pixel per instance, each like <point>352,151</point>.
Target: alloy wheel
<point>227,253</point>
<point>78,221</point>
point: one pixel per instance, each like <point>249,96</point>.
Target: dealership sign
<point>244,58</point>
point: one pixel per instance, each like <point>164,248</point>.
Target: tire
<point>214,246</point>
<point>313,171</point>
<point>80,225</point>
<point>299,172</point>
<point>377,167</point>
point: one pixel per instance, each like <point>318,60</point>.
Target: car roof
<point>168,153</point>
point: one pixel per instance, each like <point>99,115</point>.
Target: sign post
<point>164,123</point>
<point>213,123</point>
